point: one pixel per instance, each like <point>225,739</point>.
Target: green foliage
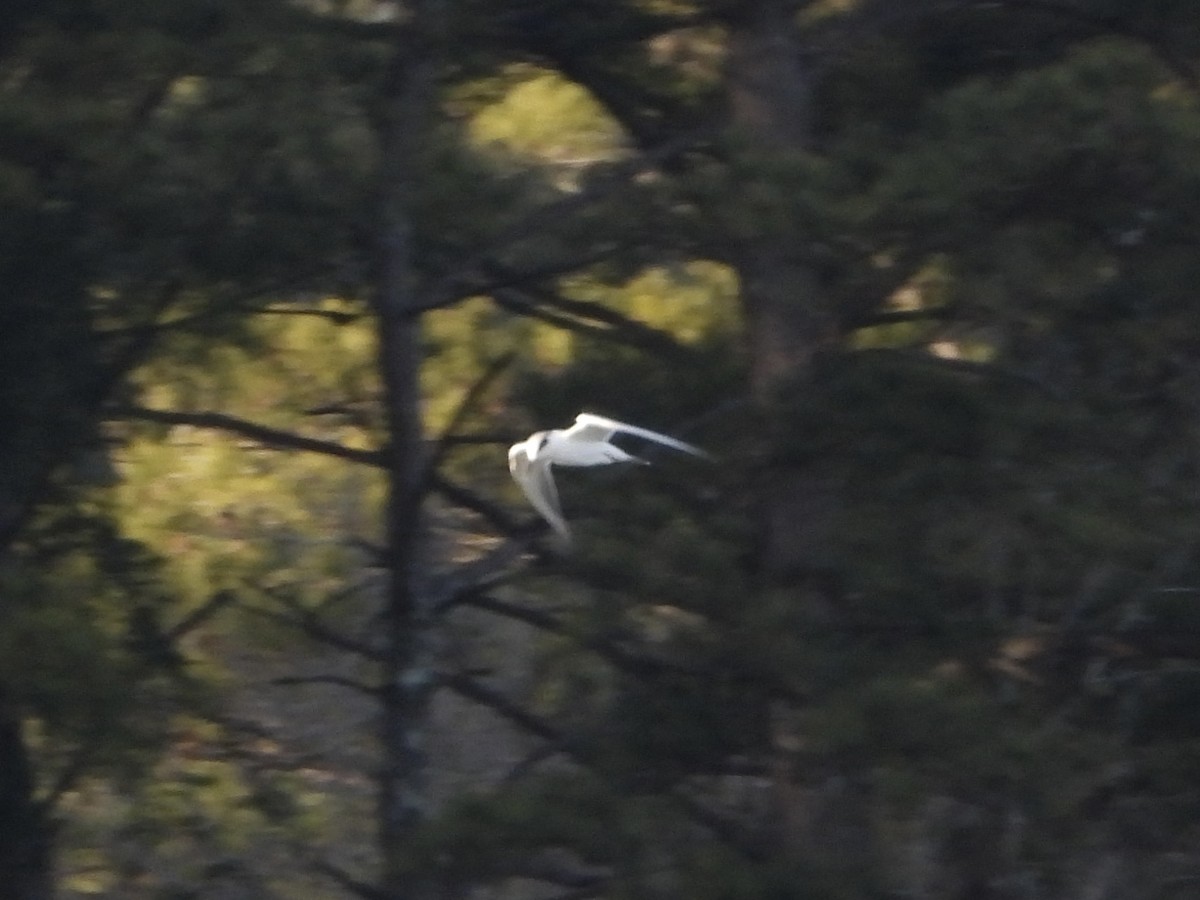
<point>1002,232</point>
<point>73,592</point>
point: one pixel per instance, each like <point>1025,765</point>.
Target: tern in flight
<point>586,443</point>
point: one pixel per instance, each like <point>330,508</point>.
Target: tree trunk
<point>407,677</point>
<point>24,836</point>
<point>787,320</point>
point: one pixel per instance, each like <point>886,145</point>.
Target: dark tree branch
<point>333,680</point>
<point>725,829</point>
<point>235,302</point>
<point>468,402</point>
<point>469,275</point>
<point>131,351</point>
<point>198,617</point>
<point>280,439</point>
<point>265,435</point>
<point>583,893</point>
<point>898,317</point>
<point>485,276</point>
<point>581,316</point>
<point>70,774</point>
<point>619,657</point>
<point>474,690</point>
<point>612,653</point>
<point>868,20</point>
<point>493,513</point>
<point>548,867</point>
<point>337,317</point>
<point>311,625</point>
<point>490,570</point>
<point>344,879</point>
<point>388,31</point>
<point>1102,24</point>
<point>985,370</point>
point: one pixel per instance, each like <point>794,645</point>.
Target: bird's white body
<point>586,443</point>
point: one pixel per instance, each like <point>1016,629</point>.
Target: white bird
<point>586,443</point>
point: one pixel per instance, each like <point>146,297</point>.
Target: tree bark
<point>25,870</point>
<point>407,676</point>
<point>787,320</point>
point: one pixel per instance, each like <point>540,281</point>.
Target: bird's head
<point>536,442</point>
<point>524,452</point>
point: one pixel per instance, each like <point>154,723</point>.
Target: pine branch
<point>129,355</point>
<point>474,690</point>
<point>469,579</point>
<point>622,659</point>
<point>279,439</point>
<point>1099,23</point>
<point>553,867</point>
<point>334,680</point>
<point>493,513</point>
<point>899,316</point>
<point>468,402</point>
<point>470,277</point>
<point>336,317</point>
<point>344,879</point>
<point>991,371</point>
<point>311,625</point>
<point>483,276</point>
<point>724,828</point>
<point>532,311</point>
<point>582,316</point>
<point>869,20</point>
<point>583,893</point>
<point>69,775</point>
<point>612,653</point>
<point>267,436</point>
<point>198,617</point>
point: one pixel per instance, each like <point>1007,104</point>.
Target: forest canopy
<point>284,280</point>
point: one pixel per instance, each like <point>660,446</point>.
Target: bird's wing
<point>537,482</point>
<point>589,426</point>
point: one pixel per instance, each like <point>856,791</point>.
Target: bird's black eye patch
<point>542,443</point>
